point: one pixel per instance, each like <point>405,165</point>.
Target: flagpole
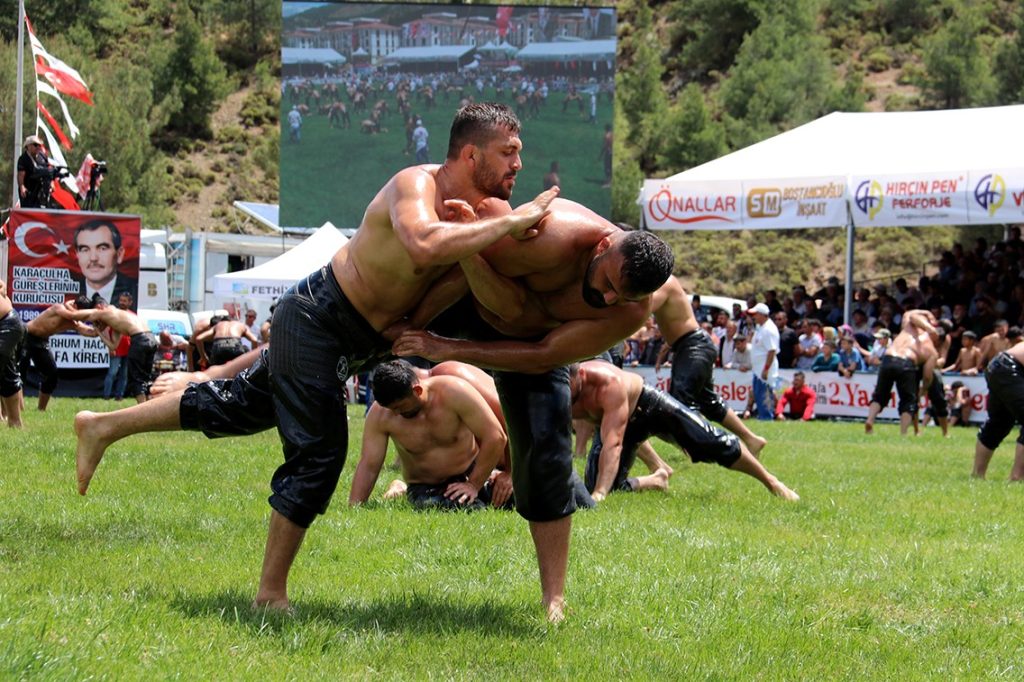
<point>19,98</point>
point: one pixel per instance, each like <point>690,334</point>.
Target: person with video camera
<point>33,173</point>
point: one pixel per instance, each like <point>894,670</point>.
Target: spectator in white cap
<point>32,172</point>
<point>765,366</point>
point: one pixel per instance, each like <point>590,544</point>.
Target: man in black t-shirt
<point>32,166</point>
<point>788,339</point>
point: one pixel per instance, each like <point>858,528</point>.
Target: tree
<point>638,81</point>
<point>192,76</point>
<point>705,35</point>
<point>626,173</point>
<point>781,79</point>
<point>691,135</point>
<point>1008,65</point>
<point>957,73</point>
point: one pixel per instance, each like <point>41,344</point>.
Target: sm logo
<point>990,192</point>
<point>764,203</point>
<point>869,198</point>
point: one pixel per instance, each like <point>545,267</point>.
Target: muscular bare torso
<point>552,267</point>
<point>673,312</point>
<point>5,303</point>
<point>435,444</point>
<point>122,321</point>
<point>229,329</point>
<point>374,269</point>
<point>600,385</point>
<point>49,322</point>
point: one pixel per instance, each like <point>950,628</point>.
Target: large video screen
<point>366,84</point>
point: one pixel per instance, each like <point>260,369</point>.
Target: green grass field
<point>332,174</point>
<point>894,566</point>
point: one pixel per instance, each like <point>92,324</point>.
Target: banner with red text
<point>747,204</point>
<point>978,197</point>
<point>55,256</point>
<point>837,396</point>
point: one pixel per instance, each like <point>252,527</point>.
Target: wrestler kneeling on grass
<point>450,436</point>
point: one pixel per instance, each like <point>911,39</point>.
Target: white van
<point>715,303</point>
<point>172,321</point>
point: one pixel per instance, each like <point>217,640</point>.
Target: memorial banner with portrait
<point>56,256</point>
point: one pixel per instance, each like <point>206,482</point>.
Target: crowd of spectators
<point>978,293</point>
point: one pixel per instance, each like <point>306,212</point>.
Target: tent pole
<point>18,100</point>
<point>848,298</point>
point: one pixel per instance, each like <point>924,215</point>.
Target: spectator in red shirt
<point>800,397</point>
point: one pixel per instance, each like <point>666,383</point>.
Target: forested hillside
<point>187,99</point>
<point>183,94</point>
<point>700,78</point>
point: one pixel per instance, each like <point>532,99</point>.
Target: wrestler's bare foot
<point>779,489</point>
<point>556,610</point>
<point>92,443</point>
<point>279,605</point>
<point>396,489</point>
<point>869,428</point>
<point>660,479</point>
<point>756,445</point>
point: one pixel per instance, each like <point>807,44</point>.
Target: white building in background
<point>447,28</point>
<point>377,39</point>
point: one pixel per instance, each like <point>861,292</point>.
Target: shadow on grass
<point>412,613</point>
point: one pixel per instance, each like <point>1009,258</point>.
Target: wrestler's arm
<point>503,296</point>
<point>169,382</point>
<point>431,241</point>
<point>662,354</point>
<point>570,342</point>
<point>955,367</point>
<point>204,335</point>
<point>919,319</point>
<point>928,372</point>
<point>615,405</point>
<point>371,457</point>
<point>473,411</point>
<point>444,292</point>
<point>252,337</point>
<point>111,342</point>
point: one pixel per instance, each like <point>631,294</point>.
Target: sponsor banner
<point>917,199</point>
<point>996,196</point>
<point>811,202</point>
<point>693,206</point>
<point>837,396</point>
<point>46,266</point>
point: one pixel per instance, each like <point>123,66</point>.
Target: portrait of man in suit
<point>100,252</point>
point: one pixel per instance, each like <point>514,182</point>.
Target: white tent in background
<point>952,167</point>
<point>271,279</point>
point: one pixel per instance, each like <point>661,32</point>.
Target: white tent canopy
<point>310,55</point>
<point>581,50</point>
<point>436,53</point>
<point>271,279</point>
<point>952,167</point>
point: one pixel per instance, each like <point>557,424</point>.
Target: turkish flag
<point>63,81</point>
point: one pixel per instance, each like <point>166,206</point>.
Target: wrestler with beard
<point>580,286</point>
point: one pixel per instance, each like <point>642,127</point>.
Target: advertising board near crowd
<point>961,198</point>
<point>811,202</point>
<point>56,256</point>
<point>837,396</point>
